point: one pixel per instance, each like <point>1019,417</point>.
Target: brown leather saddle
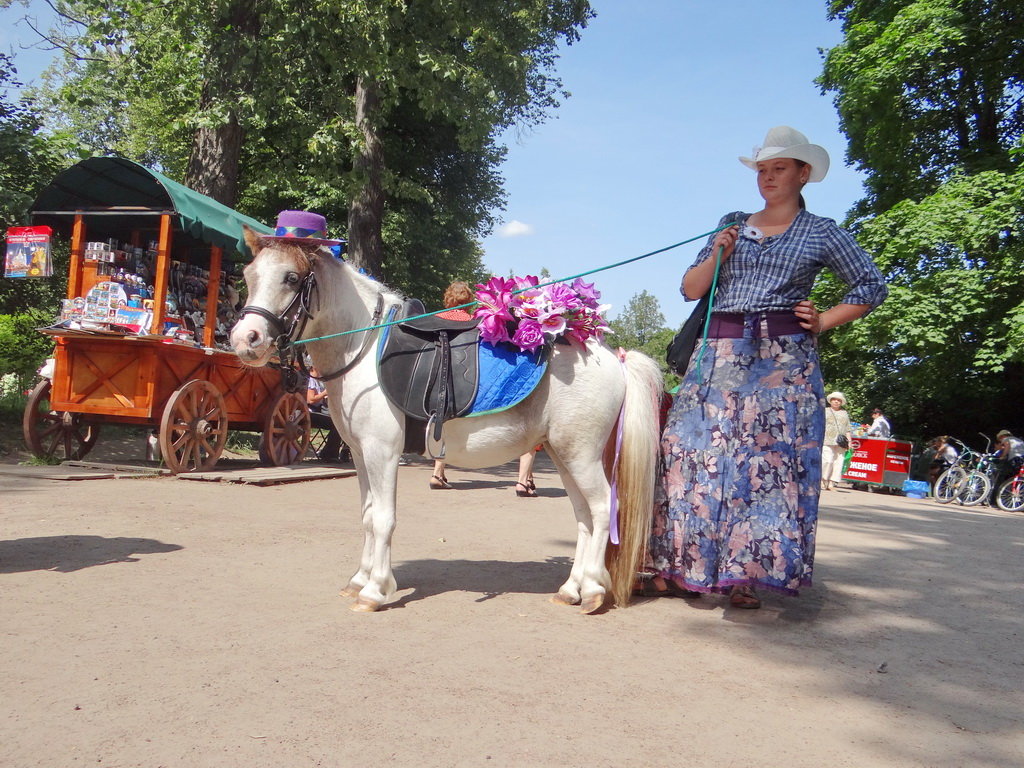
<point>428,366</point>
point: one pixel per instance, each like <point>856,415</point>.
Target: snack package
<point>28,252</point>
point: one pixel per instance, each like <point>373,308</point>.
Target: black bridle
<point>290,324</point>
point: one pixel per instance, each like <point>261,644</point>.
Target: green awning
<point>112,185</point>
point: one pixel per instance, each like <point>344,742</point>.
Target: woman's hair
<point>457,293</point>
<point>800,164</point>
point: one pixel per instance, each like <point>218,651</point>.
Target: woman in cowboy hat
<point>838,433</point>
<point>742,447</point>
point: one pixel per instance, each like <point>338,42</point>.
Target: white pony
<point>573,412</point>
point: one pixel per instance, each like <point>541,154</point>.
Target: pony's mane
<point>306,255</point>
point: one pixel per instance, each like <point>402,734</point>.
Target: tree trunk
<point>214,162</point>
<point>213,165</point>
<point>366,213</point>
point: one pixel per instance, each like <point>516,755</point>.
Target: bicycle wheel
<point>948,484</point>
<point>975,489</point>
<point>1010,496</point>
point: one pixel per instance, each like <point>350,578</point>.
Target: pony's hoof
<point>350,591</point>
<point>560,598</point>
<point>362,605</point>
<point>592,604</point>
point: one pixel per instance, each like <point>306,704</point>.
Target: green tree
<point>930,95</point>
<point>638,322</point>
<point>381,115</point>
<point>925,88</point>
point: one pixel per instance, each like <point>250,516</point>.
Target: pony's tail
<point>637,472</point>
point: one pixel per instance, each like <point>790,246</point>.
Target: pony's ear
<point>252,239</point>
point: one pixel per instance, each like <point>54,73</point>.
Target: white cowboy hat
<point>783,141</point>
<point>837,396</point>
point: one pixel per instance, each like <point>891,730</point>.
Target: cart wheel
<point>194,427</point>
<point>286,431</point>
<point>51,434</point>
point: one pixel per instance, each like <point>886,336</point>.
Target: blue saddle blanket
<point>507,376</point>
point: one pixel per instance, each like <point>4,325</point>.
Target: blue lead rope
<point>711,306</point>
<point>549,282</point>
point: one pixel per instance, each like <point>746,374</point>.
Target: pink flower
<point>553,324</point>
<point>529,311</point>
<point>528,336</point>
<point>493,328</point>
<point>588,295</point>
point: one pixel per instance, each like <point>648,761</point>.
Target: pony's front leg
<point>362,576</point>
<point>378,580</point>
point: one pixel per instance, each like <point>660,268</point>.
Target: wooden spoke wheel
<point>194,427</point>
<point>286,431</point>
<point>55,434</point>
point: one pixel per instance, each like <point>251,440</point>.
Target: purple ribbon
<point>613,512</point>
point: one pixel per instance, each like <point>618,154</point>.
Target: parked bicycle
<point>1010,495</point>
<point>969,480</point>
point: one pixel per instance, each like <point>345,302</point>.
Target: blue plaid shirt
<point>775,274</point>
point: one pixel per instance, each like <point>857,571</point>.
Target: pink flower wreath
<point>521,311</point>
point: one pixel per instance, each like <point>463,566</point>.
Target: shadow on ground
<point>66,554</point>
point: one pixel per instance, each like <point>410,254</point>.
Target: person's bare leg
<point>526,486</point>
<point>438,481</point>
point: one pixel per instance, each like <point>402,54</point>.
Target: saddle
<point>428,366</point>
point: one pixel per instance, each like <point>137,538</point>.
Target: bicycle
<point>969,480</point>
<point>1010,496</point>
<point>950,484</point>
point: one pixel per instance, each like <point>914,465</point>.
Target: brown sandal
<point>439,483</point>
<point>742,596</point>
<point>522,489</point>
<point>661,587</point>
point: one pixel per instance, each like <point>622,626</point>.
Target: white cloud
<point>514,229</point>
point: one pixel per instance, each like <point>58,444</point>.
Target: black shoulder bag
<point>679,351</point>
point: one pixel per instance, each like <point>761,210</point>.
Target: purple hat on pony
<point>306,226</point>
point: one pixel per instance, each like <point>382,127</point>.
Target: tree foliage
<point>382,116</point>
<point>28,160</point>
<point>641,325</point>
<point>639,321</point>
<point>925,88</point>
<point>930,95</point>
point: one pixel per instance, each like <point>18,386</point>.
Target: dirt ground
<point>165,622</point>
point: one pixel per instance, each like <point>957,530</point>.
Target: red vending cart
<point>879,461</point>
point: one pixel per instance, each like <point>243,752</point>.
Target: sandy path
<point>162,622</point>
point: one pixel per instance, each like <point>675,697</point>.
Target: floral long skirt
<point>741,457</point>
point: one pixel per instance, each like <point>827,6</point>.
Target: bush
<point>22,348</point>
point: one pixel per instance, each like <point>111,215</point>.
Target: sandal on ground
<point>744,597</point>
<point>656,587</point>
<point>522,489</point>
<point>439,483</point>
<point>530,484</point>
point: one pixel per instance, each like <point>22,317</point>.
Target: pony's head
<point>281,284</point>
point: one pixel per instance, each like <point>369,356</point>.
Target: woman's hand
<point>808,315</point>
<point>726,240</point>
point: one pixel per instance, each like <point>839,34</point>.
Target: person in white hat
<point>742,445</point>
<point>838,434</point>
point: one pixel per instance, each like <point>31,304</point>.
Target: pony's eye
<point>292,278</point>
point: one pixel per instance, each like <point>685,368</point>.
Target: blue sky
<point>666,94</point>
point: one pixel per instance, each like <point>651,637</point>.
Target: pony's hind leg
<point>588,489</point>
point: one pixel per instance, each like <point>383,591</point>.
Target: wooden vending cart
<point>143,333</point>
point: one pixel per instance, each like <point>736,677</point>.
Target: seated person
<point>943,457</point>
<point>320,417</point>
<point>1009,455</point>
<point>879,425</point>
